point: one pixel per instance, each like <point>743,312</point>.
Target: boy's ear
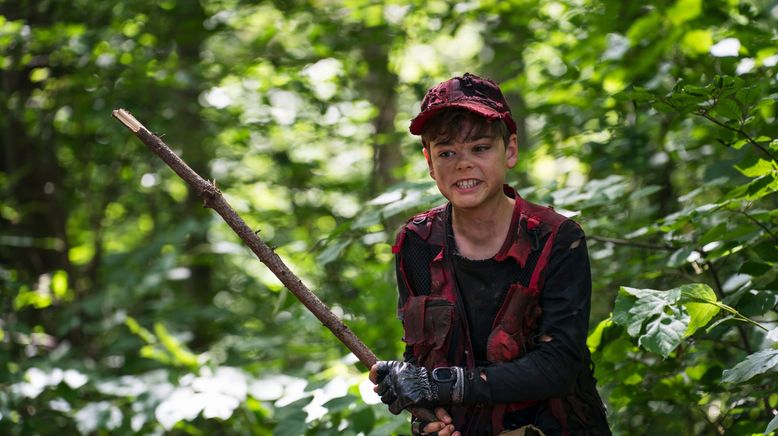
<point>512,151</point>
<point>426,151</point>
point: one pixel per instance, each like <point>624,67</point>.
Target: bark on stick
<point>213,198</point>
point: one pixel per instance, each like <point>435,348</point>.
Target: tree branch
<point>212,198</point>
<point>739,131</point>
<point>719,290</point>
<point>758,223</point>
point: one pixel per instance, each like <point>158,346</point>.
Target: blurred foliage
<point>129,308</point>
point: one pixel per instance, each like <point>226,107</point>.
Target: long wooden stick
<point>213,198</point>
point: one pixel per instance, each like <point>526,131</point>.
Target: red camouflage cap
<point>470,92</point>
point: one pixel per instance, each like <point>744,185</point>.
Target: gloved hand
<point>402,384</point>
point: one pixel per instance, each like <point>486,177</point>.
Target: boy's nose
<point>464,162</point>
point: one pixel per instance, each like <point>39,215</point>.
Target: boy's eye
<point>445,154</point>
<point>481,147</point>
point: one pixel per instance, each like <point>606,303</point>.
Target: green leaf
<point>293,426</point>
<point>139,330</point>
<point>340,403</point>
<point>728,108</point>
<point>737,145</point>
<point>333,251</point>
<point>594,339</point>
<point>756,189</point>
<point>754,269</point>
<point>628,310</point>
<point>664,333</point>
<point>293,410</point>
<point>772,426</point>
<point>749,95</point>
<point>697,41</point>
<point>617,350</point>
<point>181,355</point>
<point>669,316</point>
<point>635,93</point>
<point>39,74</point>
<point>644,27</point>
<point>390,427</point>
<point>363,418</point>
<point>684,10</point>
<point>755,364</point>
<point>644,192</point>
<point>679,257</point>
<point>715,233</point>
<point>700,302</point>
<point>767,251</point>
<point>755,167</point>
<point>697,292</point>
<point>59,284</point>
<point>757,303</point>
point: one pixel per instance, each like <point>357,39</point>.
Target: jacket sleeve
<point>551,368</point>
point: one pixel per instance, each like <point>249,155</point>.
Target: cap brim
<point>417,124</point>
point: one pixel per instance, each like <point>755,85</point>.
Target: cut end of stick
<point>128,120</point>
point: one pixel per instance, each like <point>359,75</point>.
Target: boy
<point>494,291</point>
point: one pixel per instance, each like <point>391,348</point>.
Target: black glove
<point>402,384</point>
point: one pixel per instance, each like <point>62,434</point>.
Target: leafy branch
<point>729,96</point>
<point>738,130</point>
<point>759,224</point>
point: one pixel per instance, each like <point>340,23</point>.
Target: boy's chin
<point>466,203</point>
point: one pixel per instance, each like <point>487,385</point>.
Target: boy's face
<point>470,171</point>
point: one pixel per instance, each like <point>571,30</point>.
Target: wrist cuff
<point>476,389</point>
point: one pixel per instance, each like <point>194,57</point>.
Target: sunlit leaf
<point>756,167</point>
<point>684,10</point>
<point>636,307</point>
<point>662,319</point>
<point>181,355</point>
<point>697,41</point>
<point>595,337</point>
<point>699,301</point>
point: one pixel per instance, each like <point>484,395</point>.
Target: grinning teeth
<point>467,184</point>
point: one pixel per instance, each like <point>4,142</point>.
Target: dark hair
<point>461,124</point>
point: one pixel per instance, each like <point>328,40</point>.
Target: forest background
<point>127,307</point>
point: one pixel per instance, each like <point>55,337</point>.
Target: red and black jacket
<point>433,315</point>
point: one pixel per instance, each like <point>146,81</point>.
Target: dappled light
<point>130,308</point>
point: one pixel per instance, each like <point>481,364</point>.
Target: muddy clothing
<point>522,315</point>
